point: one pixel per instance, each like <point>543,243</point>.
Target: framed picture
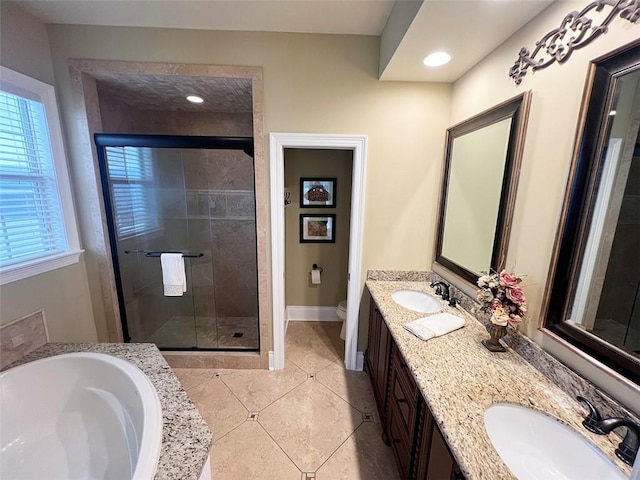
<point>317,228</point>
<point>317,193</point>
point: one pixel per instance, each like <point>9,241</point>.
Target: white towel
<point>174,278</point>
<point>428,327</point>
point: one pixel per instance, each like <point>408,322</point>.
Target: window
<point>37,222</point>
<point>132,190</point>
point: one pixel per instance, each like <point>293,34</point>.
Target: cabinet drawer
<point>404,407</point>
<point>405,377</point>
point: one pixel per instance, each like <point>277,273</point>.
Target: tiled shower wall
<point>221,211</point>
<point>207,204</point>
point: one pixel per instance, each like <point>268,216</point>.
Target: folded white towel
<point>174,277</point>
<point>428,327</point>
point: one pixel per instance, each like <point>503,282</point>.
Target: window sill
<point>36,267</point>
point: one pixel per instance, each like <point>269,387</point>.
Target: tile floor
<point>312,420</point>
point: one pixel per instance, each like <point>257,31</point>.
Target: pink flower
<point>514,320</point>
<point>516,295</point>
<point>507,279</point>
<point>496,304</point>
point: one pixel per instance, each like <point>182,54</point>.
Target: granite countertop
<point>186,438</point>
<point>459,379</point>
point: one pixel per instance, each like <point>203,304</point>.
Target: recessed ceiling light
<point>612,113</point>
<point>436,59</point>
<point>195,99</point>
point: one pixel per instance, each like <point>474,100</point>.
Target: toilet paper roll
<point>315,276</point>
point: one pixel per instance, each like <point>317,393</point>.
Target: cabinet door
<point>441,462</point>
<point>400,444</point>
<point>377,357</point>
<point>433,459</point>
<point>373,341</point>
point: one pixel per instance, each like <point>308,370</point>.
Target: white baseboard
<point>271,361</point>
<point>311,314</point>
<point>359,361</point>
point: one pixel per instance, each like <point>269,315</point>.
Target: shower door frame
<point>103,140</point>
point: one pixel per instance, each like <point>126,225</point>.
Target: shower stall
<point>188,195</point>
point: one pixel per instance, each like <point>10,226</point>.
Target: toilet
<point>341,311</point>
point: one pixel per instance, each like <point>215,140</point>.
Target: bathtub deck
<point>186,438</point>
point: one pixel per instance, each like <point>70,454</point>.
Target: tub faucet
<point>627,449</point>
<point>442,289</point>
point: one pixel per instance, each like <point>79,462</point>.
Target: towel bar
<point>148,253</point>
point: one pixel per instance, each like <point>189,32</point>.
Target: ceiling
<point>467,29</point>
<point>168,92</point>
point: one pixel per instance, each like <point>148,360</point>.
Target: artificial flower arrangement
<point>501,296</point>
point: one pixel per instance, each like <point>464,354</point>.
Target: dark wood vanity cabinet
<point>420,451</point>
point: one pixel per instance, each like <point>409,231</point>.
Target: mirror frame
<point>516,108</point>
<point>592,134</point>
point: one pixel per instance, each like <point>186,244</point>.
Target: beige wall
<point>62,293</point>
<point>557,93</point>
<point>25,44</point>
<point>332,257</point>
<point>312,83</point>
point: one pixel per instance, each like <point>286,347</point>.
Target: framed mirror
<point>593,296</point>
<point>482,164</point>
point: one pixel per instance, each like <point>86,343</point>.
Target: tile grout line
<point>278,445</point>
<point>232,430</point>
<point>264,408</point>
<point>340,397</point>
<point>346,400</point>
<point>339,446</point>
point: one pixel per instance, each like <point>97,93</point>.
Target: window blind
<point>31,222</point>
<point>132,190</point>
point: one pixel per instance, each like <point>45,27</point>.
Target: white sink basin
<point>535,446</point>
<point>417,301</point>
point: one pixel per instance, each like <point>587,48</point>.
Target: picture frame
<point>318,193</point>
<point>317,228</point>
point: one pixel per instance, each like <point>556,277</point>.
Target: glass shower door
<point>149,217</point>
<point>199,202</point>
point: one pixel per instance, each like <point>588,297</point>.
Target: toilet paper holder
<point>316,266</point>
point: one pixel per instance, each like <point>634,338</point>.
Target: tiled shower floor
<point>618,334</point>
<point>312,420</point>
<point>223,332</point>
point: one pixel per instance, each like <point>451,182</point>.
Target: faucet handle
<point>442,289</point>
<point>593,418</point>
<point>627,449</point>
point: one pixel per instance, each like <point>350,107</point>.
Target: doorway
<point>357,144</point>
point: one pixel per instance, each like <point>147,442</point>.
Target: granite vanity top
<point>459,379</point>
<point>186,438</point>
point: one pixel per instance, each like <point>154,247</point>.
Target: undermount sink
<point>534,446</point>
<point>417,301</point>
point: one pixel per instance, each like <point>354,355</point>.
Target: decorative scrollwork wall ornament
<point>576,30</point>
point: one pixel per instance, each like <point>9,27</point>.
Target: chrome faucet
<point>627,449</point>
<point>442,289</point>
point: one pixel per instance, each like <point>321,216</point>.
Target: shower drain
<point>238,335</point>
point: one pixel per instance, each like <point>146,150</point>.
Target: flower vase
<point>496,332</point>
